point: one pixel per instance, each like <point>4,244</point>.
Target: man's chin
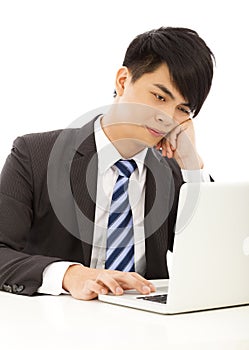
<point>145,144</point>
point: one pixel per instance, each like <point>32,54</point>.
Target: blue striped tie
<point>120,240</point>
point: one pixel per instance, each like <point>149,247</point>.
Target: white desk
<point>48,322</point>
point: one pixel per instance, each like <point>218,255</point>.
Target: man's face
<point>149,108</point>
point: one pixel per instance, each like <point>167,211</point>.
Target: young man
<point>100,217</point>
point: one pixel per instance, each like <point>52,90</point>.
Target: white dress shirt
<point>106,178</point>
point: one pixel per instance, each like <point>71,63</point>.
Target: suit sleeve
<point>19,272</point>
<point>178,181</point>
<point>181,177</point>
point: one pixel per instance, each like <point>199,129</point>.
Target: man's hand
<point>85,283</point>
<point>180,144</point>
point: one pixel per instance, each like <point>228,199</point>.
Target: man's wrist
<point>52,278</point>
<point>76,273</point>
<point>190,163</point>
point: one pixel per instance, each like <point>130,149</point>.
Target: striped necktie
<point>120,239</point>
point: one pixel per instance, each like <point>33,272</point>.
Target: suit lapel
<point>84,184</point>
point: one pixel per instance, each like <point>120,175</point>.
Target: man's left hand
<point>180,144</point>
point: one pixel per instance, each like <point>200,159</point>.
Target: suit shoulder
<point>42,140</point>
<point>47,136</point>
<point>37,147</point>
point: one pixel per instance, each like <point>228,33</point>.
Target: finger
<point>85,293</point>
<point>91,290</point>
<point>110,282</point>
<point>129,281</point>
<point>186,122</point>
<point>146,282</point>
<point>169,152</point>
<point>172,138</point>
<point>136,275</point>
<point>159,145</point>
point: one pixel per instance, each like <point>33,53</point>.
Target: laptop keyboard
<point>162,298</point>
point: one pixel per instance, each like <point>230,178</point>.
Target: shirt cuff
<point>199,175</point>
<point>53,276</point>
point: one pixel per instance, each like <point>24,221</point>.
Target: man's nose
<point>165,119</point>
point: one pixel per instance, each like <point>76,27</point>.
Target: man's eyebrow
<point>169,93</point>
<point>165,90</point>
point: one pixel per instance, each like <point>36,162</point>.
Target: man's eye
<point>184,110</point>
<point>159,97</point>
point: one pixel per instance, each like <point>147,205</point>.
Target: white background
<point>58,60</point>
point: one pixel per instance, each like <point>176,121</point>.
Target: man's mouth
<point>156,132</point>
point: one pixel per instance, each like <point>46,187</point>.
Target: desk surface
<point>61,322</point>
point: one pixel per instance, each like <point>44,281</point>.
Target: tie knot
<point>126,167</point>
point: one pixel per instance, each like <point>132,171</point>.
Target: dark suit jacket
<point>41,185</point>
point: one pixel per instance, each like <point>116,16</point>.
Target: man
<point>61,209</point>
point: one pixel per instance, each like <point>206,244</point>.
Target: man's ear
<point>121,79</point>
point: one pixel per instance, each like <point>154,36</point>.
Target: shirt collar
<point>108,154</point>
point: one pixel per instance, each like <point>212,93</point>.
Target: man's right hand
<point>86,283</point>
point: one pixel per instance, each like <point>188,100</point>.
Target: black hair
<point>189,59</point>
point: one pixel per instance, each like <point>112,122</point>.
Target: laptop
<point>210,262</point>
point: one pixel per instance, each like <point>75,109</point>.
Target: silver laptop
<point>210,265</point>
